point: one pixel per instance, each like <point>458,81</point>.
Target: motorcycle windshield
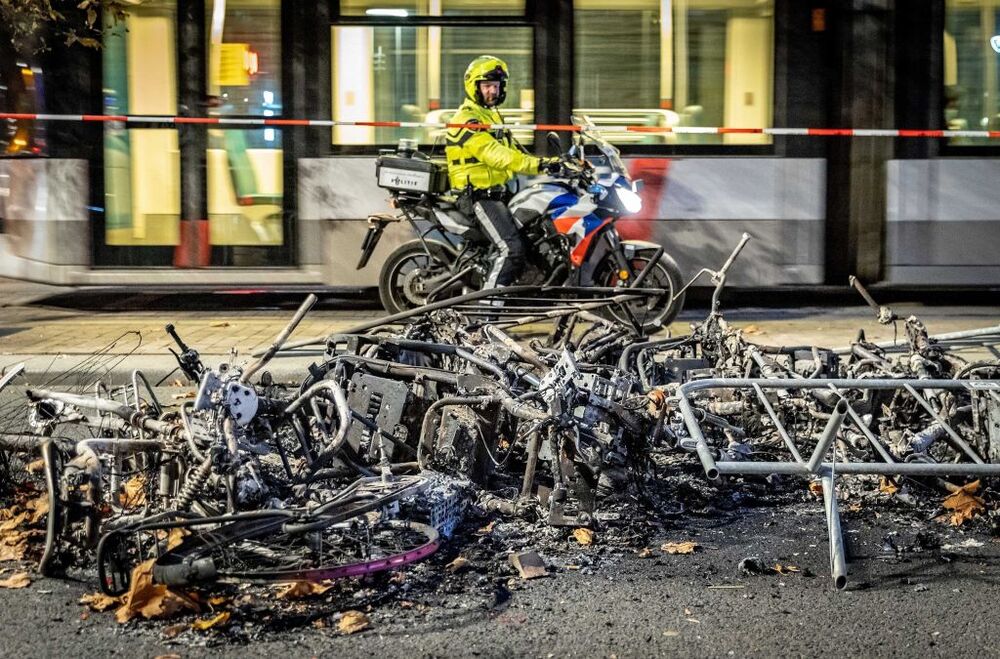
<point>610,152</point>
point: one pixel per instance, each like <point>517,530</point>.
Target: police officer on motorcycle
<point>481,162</point>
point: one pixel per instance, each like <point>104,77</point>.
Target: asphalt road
<point>936,602</point>
<point>905,597</point>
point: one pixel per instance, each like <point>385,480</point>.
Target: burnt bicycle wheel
<point>348,536</point>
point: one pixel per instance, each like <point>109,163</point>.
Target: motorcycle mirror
<point>554,143</point>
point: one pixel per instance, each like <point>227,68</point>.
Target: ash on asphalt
<point>917,587</point>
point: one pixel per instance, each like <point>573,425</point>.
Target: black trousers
<point>499,226</point>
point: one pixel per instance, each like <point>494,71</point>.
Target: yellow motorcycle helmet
<point>486,67</point>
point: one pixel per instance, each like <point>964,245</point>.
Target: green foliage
<point>32,25</point>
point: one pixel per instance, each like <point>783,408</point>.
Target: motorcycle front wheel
<point>407,275</point>
<point>654,314</point>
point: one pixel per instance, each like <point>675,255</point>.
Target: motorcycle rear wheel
<point>656,314</point>
<point>399,279</point>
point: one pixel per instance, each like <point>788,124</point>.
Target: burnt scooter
<point>567,223</point>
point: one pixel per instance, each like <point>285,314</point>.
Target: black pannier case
<point>411,174</point>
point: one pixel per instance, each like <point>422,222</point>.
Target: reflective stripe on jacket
<point>483,158</point>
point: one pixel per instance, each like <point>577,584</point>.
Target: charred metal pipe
<point>829,434</point>
<point>838,565</point>
<point>526,354</point>
<point>785,437</point>
<point>400,370</point>
<point>532,464</point>
<point>343,414</point>
<point>655,258</point>
<point>16,442</point>
<point>876,468</point>
<point>280,340</point>
<point>701,445</point>
<point>956,440</point>
<point>132,416</point>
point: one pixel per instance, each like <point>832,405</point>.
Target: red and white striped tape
<point>680,130</point>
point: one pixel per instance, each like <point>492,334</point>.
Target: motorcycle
<point>567,222</point>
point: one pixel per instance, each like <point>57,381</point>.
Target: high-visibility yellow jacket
<point>483,158</point>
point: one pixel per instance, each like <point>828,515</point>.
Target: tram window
<point>675,63</point>
<point>407,73</point>
<point>141,165</point>
<point>405,8</point>
<point>971,73</point>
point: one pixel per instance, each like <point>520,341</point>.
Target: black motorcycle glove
<point>551,166</point>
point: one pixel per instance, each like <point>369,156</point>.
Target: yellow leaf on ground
<point>14,522</point>
<point>219,323</point>
<point>685,547</point>
<point>219,600</point>
<point>645,552</point>
<point>816,488</point>
<point>172,631</point>
<point>16,580</point>
<point>785,569</point>
<point>209,623</point>
<point>133,493</point>
<point>584,536</point>
<point>39,508</point>
<point>149,600</point>
<point>301,589</point>
<point>886,486</point>
<point>457,565</point>
<point>352,622</point>
<point>100,601</point>
<point>486,530</point>
<point>963,504</point>
<point>183,395</point>
<point>752,329</point>
<point>35,466</point>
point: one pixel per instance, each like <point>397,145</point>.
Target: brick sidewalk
<point>57,339</point>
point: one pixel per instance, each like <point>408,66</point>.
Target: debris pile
<point>534,405</point>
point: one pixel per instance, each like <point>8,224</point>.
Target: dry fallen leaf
<point>219,323</point>
<point>184,395</point>
<point>457,565</point>
<point>148,600</point>
<point>100,601</point>
<point>219,600</point>
<point>14,522</point>
<point>209,623</point>
<point>486,530</point>
<point>963,504</point>
<point>886,486</point>
<point>816,488</point>
<point>352,622</point>
<point>133,493</point>
<point>39,508</point>
<point>14,544</point>
<point>645,552</point>
<point>752,329</point>
<point>172,631</point>
<point>301,589</point>
<point>16,580</point>
<point>785,569</point>
<point>35,466</point>
<point>685,547</point>
<point>584,536</point>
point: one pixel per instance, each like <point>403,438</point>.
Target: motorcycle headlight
<point>631,202</point>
